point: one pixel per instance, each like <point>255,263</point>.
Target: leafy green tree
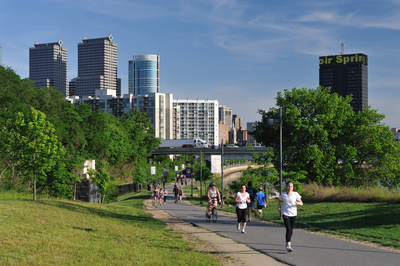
<point>39,147</point>
<point>325,139</point>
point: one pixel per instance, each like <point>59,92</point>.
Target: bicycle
<point>213,216</point>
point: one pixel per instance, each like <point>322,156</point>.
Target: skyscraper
<point>97,66</point>
<point>346,74</point>
<point>48,66</point>
<point>144,74</point>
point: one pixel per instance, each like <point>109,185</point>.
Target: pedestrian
<point>250,206</point>
<point>176,192</point>
<point>160,197</point>
<point>261,201</point>
<point>156,192</point>
<point>241,200</point>
<point>289,201</point>
<point>180,194</point>
<point>165,195</point>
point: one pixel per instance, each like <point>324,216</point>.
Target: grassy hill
<point>61,232</point>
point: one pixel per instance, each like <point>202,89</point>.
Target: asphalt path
<point>309,248</point>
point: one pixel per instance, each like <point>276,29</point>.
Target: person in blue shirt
<point>261,200</point>
<point>251,205</point>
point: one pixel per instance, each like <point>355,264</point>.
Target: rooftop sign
<point>346,59</point>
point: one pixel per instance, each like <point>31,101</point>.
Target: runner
<point>160,197</point>
<point>242,197</point>
<point>289,201</point>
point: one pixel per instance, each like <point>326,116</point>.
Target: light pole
<point>201,177</point>
<point>271,121</point>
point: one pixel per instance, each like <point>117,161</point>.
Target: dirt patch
<point>226,250</point>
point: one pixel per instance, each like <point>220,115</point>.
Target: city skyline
<point>238,53</point>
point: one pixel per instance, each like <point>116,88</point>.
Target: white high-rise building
<point>48,66</point>
<point>157,106</point>
<point>196,119</point>
<point>97,66</point>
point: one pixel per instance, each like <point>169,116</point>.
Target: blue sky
<point>240,53</point>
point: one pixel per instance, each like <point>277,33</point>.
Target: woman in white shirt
<point>241,200</point>
<point>289,201</point>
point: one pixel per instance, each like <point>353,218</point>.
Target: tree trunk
<point>34,187</point>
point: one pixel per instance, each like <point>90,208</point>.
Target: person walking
<point>288,202</point>
<point>261,201</point>
<point>241,200</point>
<point>156,192</point>
<point>176,192</point>
<point>251,205</point>
<point>165,195</point>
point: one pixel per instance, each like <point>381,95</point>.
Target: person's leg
<point>288,234</point>
<point>291,224</point>
<point>238,217</point>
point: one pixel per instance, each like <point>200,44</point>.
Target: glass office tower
<point>48,66</point>
<point>144,74</point>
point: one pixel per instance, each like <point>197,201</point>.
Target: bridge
<point>228,153</point>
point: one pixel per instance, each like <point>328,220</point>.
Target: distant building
<point>157,106</point>
<point>225,115</point>
<point>251,126</point>
<point>237,122</point>
<point>196,119</point>
<point>48,66</point>
<point>97,66</point>
<point>396,134</point>
<point>346,74</point>
<point>241,135</point>
<point>144,74</point>
<point>223,132</point>
<point>72,87</point>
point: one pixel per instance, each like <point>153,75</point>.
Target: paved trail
<point>309,249</point>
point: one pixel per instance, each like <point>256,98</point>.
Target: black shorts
<point>259,207</point>
<point>241,215</point>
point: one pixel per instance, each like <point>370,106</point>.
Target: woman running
<point>289,201</point>
<point>241,200</point>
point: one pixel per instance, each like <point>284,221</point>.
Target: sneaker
<point>238,227</point>
<point>289,249</point>
<point>243,232</point>
<point>249,220</point>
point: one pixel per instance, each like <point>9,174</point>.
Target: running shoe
<point>289,249</point>
<point>238,227</point>
<point>249,220</point>
<point>243,232</point>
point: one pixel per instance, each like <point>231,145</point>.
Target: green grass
<point>62,232</point>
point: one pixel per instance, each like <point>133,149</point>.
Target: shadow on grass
<point>113,211</point>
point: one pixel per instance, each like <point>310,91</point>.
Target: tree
<point>328,141</point>
<point>39,147</point>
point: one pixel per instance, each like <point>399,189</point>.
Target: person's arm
<point>237,199</point>
<point>299,201</point>
<point>248,198</point>
<point>208,195</point>
<point>219,195</point>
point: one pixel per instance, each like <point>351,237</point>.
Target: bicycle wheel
<point>208,217</point>
<point>214,215</point>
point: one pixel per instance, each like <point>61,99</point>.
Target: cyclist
<point>213,196</point>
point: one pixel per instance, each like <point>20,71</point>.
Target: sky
<point>238,52</point>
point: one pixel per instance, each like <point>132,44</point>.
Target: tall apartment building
<point>48,66</point>
<point>97,66</point>
<point>346,74</point>
<point>251,126</point>
<point>157,106</point>
<point>144,74</point>
<point>196,119</point>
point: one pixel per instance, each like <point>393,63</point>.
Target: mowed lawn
<point>63,232</point>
